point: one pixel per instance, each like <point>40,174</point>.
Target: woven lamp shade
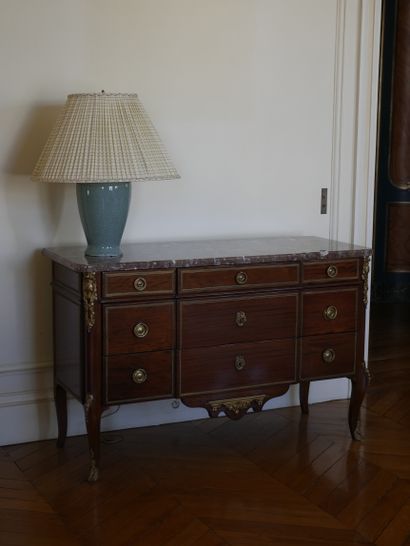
<point>103,137</point>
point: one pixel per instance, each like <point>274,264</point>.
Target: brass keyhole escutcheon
<point>241,318</point>
<point>332,271</point>
<point>240,362</point>
<point>139,376</point>
<point>241,277</point>
<point>140,329</point>
<point>328,355</point>
<point>330,313</point>
<point>140,284</point>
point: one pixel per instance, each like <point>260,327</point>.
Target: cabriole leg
<point>93,422</point>
<point>359,387</point>
<point>304,396</point>
<point>60,399</point>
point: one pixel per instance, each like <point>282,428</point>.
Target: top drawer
<point>330,271</point>
<point>237,278</point>
<point>138,283</point>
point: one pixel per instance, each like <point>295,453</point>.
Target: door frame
<point>356,132</point>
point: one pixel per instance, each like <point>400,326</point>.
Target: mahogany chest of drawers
<point>224,325</point>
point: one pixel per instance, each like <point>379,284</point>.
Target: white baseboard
<point>27,409</point>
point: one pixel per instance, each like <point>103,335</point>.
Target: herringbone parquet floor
<point>271,478</point>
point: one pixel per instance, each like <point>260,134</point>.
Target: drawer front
<point>138,284</point>
<point>139,328</point>
<point>204,323</point>
<point>231,367</point>
<point>139,376</point>
<point>327,356</point>
<point>338,270</point>
<point>237,278</point>
<point>330,311</point>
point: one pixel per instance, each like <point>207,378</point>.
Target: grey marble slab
<point>170,254</point>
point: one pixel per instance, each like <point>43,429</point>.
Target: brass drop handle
<point>140,329</point>
<point>332,271</point>
<point>240,362</point>
<point>241,318</point>
<point>139,376</point>
<point>140,284</point>
<point>241,277</point>
<point>330,313</point>
<point>328,355</point>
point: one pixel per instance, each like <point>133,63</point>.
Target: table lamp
<point>102,142</point>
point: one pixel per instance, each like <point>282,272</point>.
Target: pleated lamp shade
<point>103,137</point>
<point>102,142</point>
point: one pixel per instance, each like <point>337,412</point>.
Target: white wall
<point>256,101</point>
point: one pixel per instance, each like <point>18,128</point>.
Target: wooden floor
<point>271,478</point>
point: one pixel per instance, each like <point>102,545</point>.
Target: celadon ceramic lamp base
<point>103,211</point>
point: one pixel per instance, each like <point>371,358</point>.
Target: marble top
<point>170,254</point>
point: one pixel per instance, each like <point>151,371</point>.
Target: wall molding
<point>19,398</point>
<point>25,383</point>
<point>335,175</point>
<point>344,126</point>
<point>354,126</point>
<point>24,367</point>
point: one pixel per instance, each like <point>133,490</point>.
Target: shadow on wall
<point>22,160</point>
<point>34,213</point>
<point>41,323</point>
<point>31,139</point>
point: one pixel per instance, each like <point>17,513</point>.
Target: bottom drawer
<point>230,367</point>
<point>327,356</point>
<point>139,376</point>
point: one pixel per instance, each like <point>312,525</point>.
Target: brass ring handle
<point>330,313</point>
<point>139,376</point>
<point>332,271</point>
<point>241,318</point>
<point>328,355</point>
<point>240,362</point>
<point>140,284</point>
<point>140,329</point>
<point>241,277</point>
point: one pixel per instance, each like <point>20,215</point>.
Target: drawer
<point>329,311</point>
<point>327,356</point>
<point>237,278</point>
<point>239,366</point>
<point>139,328</point>
<point>330,271</point>
<point>204,323</point>
<point>139,376</point>
<point>138,283</point>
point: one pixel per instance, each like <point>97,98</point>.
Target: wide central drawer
<point>217,279</point>
<point>228,367</point>
<point>204,323</point>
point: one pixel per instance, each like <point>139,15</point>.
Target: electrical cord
<point>108,438</point>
